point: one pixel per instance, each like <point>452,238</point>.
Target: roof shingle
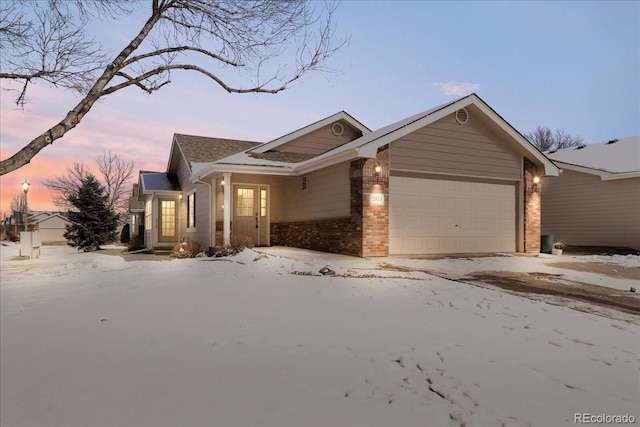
<point>204,149</point>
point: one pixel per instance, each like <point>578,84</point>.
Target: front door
<point>167,220</point>
<point>251,213</point>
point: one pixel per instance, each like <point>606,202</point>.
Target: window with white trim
<point>191,210</point>
<point>147,214</point>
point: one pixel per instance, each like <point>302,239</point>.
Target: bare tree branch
<point>115,173</point>
<point>257,37</point>
<point>545,140</point>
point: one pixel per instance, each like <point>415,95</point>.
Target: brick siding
<point>364,233</point>
<point>532,206</point>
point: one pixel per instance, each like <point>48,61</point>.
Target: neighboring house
<point>454,179</point>
<point>596,199</point>
<point>51,226</point>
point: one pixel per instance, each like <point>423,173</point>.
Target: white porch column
<point>226,229</point>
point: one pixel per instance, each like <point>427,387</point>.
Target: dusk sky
<point>569,65</point>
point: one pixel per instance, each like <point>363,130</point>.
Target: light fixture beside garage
<point>536,183</point>
<point>377,168</point>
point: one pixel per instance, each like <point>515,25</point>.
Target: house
<point>51,226</point>
<point>596,199</point>
<point>453,179</point>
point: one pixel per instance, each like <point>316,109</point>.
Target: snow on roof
<point>614,156</point>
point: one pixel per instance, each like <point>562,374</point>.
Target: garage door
<point>428,216</point>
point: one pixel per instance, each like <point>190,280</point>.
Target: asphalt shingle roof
<point>283,156</point>
<point>618,156</point>
<point>202,149</point>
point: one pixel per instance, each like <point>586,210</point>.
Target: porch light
<point>377,168</point>
<point>180,196</point>
<point>536,180</point>
<point>222,182</point>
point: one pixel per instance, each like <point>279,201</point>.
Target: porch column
<point>226,227</point>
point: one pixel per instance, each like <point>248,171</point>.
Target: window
<point>147,215</point>
<point>244,202</point>
<point>168,218</point>
<point>191,210</point>
<point>263,202</point>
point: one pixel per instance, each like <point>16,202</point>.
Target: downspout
<point>212,227</point>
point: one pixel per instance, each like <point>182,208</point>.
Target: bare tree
<point>19,207</point>
<point>115,172</point>
<point>51,43</point>
<point>546,140</point>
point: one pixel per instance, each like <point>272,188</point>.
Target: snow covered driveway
<point>91,339</point>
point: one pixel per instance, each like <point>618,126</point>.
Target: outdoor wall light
<point>222,183</point>
<point>377,168</point>
<point>536,183</point>
<point>180,197</point>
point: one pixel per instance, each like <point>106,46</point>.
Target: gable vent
<point>337,129</point>
<point>613,141</point>
<point>462,116</point>
<point>304,182</point>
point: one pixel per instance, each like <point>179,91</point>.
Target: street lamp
<point>25,187</point>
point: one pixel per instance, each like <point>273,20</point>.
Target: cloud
<point>456,88</point>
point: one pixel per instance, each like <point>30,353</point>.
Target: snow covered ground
<point>91,339</point>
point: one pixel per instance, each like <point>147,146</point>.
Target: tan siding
<point>328,195</point>
<point>583,210</point>
<point>202,230</point>
<point>447,147</point>
<point>320,141</point>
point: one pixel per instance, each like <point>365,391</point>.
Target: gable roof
<point>342,115</point>
<point>158,181</point>
<point>614,159</point>
<point>203,149</point>
<point>367,145</point>
<point>50,216</point>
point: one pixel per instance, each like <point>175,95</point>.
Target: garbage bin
<point>546,243</point>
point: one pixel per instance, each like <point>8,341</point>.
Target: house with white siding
<point>596,199</point>
<point>457,178</point>
<point>51,226</point>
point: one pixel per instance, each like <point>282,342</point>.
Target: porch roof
<point>159,181</point>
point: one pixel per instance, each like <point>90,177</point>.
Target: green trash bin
<point>546,243</point>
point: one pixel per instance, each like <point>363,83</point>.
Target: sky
<point>565,65</point>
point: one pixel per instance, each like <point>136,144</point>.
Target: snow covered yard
<point>92,339</point>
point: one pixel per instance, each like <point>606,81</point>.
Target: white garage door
<point>428,216</point>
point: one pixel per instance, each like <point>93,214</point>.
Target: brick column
<point>532,205</point>
<point>370,203</point>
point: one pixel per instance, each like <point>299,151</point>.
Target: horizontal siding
<point>328,195</point>
<point>583,210</point>
<point>320,141</point>
<point>449,148</point>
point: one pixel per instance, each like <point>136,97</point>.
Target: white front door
<point>251,212</point>
<point>429,216</point>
